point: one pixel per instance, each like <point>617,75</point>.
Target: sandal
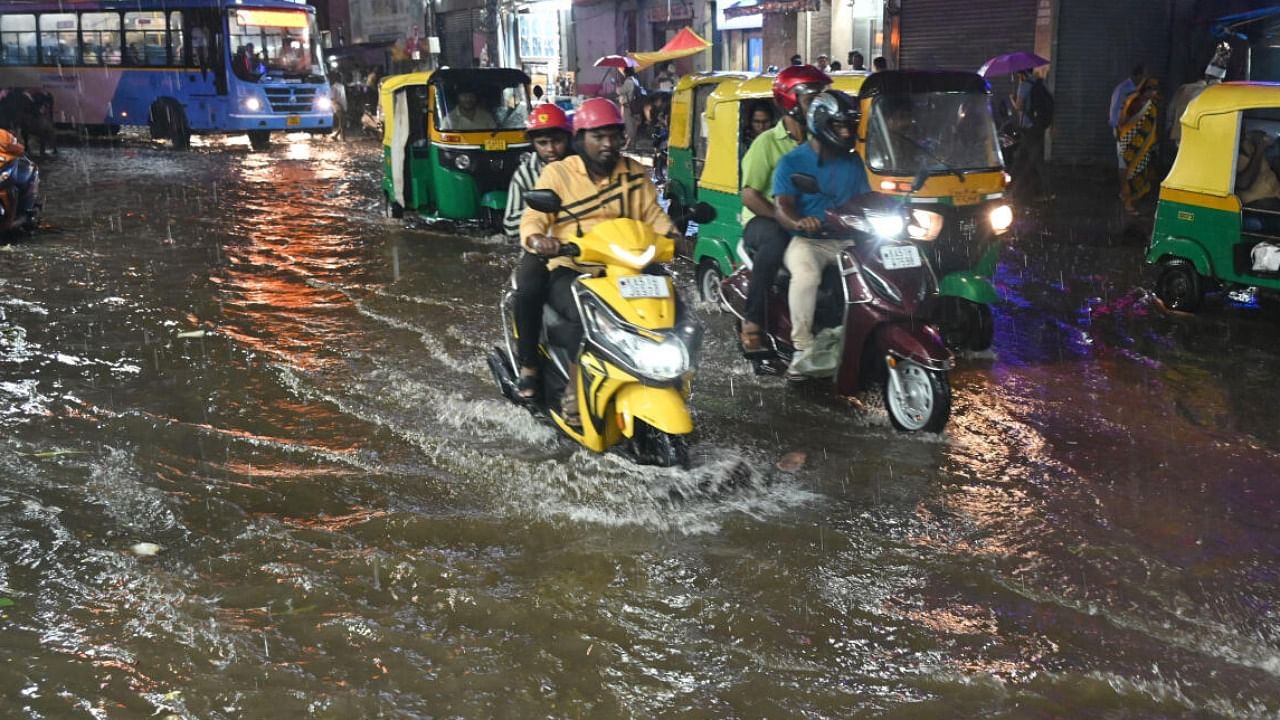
<point>569,410</point>
<point>527,386</point>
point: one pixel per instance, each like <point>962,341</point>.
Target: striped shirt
<point>526,175</point>
<point>627,193</point>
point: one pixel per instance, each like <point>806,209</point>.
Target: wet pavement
<point>231,356</point>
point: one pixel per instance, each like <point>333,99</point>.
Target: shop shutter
<point>957,35</point>
<point>1098,44</point>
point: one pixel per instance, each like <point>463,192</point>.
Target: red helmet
<point>596,113</point>
<point>794,81</point>
<point>548,117</point>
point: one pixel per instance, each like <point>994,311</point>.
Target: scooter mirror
<point>546,201</point>
<point>806,183</point>
<point>703,213</point>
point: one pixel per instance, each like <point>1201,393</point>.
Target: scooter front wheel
<point>917,398</point>
<point>654,447</point>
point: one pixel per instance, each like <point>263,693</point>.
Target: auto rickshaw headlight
<point>925,225</point>
<point>1001,217</point>
<point>462,161</point>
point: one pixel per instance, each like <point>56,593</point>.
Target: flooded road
<point>231,356</point>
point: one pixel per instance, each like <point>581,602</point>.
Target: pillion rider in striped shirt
<point>549,130</point>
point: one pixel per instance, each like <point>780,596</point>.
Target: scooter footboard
<point>663,409</point>
<point>914,341</point>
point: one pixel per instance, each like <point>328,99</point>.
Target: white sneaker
<point>799,366</point>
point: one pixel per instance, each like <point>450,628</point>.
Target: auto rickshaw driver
<point>793,89</point>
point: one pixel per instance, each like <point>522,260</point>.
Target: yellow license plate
<point>293,120</point>
<point>965,197</point>
<point>495,144</point>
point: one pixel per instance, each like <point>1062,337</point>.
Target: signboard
<point>386,20</point>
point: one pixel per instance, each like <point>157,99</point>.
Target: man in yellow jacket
<point>596,184</point>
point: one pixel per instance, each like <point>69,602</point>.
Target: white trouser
<point>805,260</point>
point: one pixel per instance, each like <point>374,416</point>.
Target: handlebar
<point>568,249</point>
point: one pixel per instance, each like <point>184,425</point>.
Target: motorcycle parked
<point>20,202</point>
<point>639,350</point>
<point>877,297</point>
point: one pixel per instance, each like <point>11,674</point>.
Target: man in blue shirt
<point>828,156</point>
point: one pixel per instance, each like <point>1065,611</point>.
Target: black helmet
<point>826,110</point>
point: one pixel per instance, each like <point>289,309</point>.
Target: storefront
<point>741,41</point>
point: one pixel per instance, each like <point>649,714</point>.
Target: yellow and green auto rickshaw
<point>710,132</point>
<point>1217,223</point>
<point>452,141</point>
<point>942,122</point>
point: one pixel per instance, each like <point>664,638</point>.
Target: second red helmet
<point>596,113</point>
<point>548,117</point>
<point>794,80</point>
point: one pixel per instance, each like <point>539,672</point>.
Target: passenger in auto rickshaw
<point>759,119</point>
<point>467,114</point>
<point>793,88</point>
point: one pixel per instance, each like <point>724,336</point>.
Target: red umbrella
<point>1010,63</point>
<point>616,61</point>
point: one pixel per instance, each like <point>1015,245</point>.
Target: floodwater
<point>232,357</point>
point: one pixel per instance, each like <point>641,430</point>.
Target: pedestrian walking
<point>631,97</point>
<point>1119,95</point>
<point>823,63</point>
<point>796,59</point>
<point>1138,134</point>
<point>1033,114</point>
<point>338,97</point>
<point>857,61</point>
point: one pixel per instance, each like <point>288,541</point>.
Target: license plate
<point>897,257</point>
<point>495,144</point>
<point>965,197</point>
<point>293,120</point>
<point>645,286</point>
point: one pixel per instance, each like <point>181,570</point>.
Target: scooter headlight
<point>1001,217</point>
<point>663,360</point>
<point>886,226</point>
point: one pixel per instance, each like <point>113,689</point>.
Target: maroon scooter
<point>877,297</point>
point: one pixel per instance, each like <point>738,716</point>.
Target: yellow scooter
<point>639,347</point>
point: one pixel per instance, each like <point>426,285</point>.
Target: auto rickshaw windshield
<point>944,132</point>
<point>465,106</point>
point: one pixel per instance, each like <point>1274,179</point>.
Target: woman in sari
<point>1139,120</point>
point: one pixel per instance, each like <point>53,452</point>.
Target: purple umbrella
<point>1010,63</point>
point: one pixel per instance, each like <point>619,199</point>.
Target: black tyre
<point>709,278</point>
<point>967,325</point>
<point>260,140</point>
<point>168,121</point>
<point>391,210</point>
<point>920,401</point>
<point>654,447</point>
<point>1179,286</point>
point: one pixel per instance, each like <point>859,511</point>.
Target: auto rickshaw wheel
<point>260,140</point>
<point>1179,286</point>
<point>709,278</point>
<point>391,210</point>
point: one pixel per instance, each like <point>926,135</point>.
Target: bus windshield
<point>473,105</point>
<point>943,131</point>
<point>273,42</point>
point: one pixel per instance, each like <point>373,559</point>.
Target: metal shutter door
<point>1098,43</point>
<point>951,35</point>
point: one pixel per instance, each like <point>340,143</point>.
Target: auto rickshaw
<point>1204,236</point>
<point>942,123</point>
<point>452,141</point>
<point>710,132</point>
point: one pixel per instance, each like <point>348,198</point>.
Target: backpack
<point>1041,102</point>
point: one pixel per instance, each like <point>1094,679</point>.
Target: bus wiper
<point>924,147</point>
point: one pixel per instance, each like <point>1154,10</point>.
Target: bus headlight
<point>324,104</point>
<point>252,104</point>
<point>1001,217</point>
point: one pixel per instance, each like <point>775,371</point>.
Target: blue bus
<point>180,67</point>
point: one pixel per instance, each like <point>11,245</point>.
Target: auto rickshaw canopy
<point>1210,135</point>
